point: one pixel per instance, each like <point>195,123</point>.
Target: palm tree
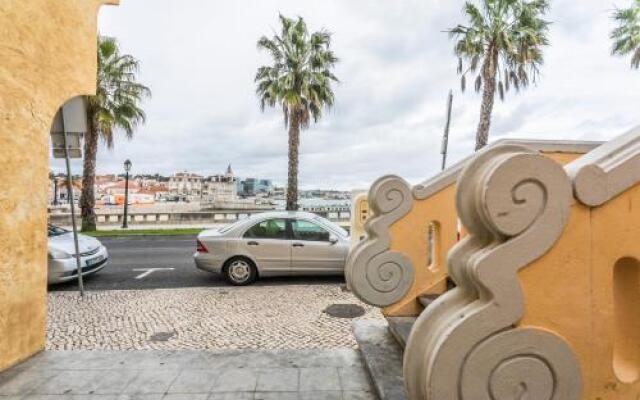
<point>504,39</point>
<point>114,107</point>
<point>626,36</point>
<point>299,80</point>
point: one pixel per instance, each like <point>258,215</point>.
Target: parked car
<point>62,261</point>
<point>273,244</point>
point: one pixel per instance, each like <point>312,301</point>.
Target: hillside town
<point>187,200</point>
<point>225,190</point>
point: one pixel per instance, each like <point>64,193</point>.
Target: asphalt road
<point>153,262</point>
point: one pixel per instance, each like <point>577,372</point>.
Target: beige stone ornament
<point>376,275</point>
<point>514,203</point>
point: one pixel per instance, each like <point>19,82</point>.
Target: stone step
<point>400,328</point>
<point>381,344</point>
<point>382,357</point>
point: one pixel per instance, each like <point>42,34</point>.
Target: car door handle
<point>298,245</point>
<point>253,243</point>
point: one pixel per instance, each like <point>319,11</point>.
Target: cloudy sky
<point>199,58</point>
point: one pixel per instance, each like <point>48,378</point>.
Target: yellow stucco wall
<point>573,292</point>
<point>359,214</point>
<point>409,235</point>
<point>47,55</point>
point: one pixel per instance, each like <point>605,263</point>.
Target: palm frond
<point>478,83</point>
<point>116,105</point>
<point>300,78</point>
<point>508,36</point>
<point>626,35</point>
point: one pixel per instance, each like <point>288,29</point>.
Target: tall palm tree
<point>626,36</point>
<point>114,107</point>
<point>299,80</point>
<point>504,40</point>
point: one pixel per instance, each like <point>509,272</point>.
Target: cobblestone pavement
<point>282,317</point>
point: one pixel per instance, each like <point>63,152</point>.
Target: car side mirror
<point>333,239</point>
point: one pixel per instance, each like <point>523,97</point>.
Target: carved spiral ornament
<point>375,274</point>
<point>520,364</point>
<point>514,203</point>
<point>512,207</point>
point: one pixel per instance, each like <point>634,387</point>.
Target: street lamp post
<point>55,191</point>
<point>127,168</point>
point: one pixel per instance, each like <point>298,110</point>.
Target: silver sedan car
<point>273,244</point>
<point>61,251</point>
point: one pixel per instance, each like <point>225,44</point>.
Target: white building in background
<point>185,184</point>
<point>63,194</point>
<point>220,188</point>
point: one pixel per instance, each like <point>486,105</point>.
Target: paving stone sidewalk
<point>253,317</point>
<point>336,374</point>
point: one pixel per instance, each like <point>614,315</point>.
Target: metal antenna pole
<point>73,211</point>
<point>445,137</point>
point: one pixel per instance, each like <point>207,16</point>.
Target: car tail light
<point>200,247</point>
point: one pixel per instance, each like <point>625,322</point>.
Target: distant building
<point>279,193</point>
<point>220,188</point>
<point>63,194</point>
<point>253,187</point>
<point>185,184</point>
<point>147,180</point>
<point>119,187</point>
<point>159,191</point>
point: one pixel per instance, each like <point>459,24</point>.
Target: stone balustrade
<point>411,229</point>
<point>187,218</point>
<point>547,282</point>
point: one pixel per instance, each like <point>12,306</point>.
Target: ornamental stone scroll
<point>375,274</point>
<point>514,203</point>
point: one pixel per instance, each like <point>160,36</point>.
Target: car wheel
<point>240,271</point>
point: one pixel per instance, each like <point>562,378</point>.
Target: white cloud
<point>199,58</point>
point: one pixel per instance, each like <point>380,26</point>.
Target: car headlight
<point>58,254</point>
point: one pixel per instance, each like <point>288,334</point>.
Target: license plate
<point>94,260</point>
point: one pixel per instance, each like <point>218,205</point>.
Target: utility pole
<point>73,210</point>
<point>55,190</point>
<point>445,136</point>
<point>69,124</point>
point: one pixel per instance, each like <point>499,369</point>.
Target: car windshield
<point>53,230</point>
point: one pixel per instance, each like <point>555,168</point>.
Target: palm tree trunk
<point>488,95</point>
<point>87,198</point>
<point>294,144</point>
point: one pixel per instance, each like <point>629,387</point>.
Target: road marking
<point>148,271</point>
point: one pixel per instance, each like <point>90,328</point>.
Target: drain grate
<point>161,336</point>
<point>344,310</point>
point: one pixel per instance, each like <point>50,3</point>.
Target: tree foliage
<point>510,31</point>
<point>299,81</point>
<point>300,78</point>
<point>116,103</point>
<point>115,106</point>
<point>626,35</point>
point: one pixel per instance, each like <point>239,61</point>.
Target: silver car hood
<point>65,243</point>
